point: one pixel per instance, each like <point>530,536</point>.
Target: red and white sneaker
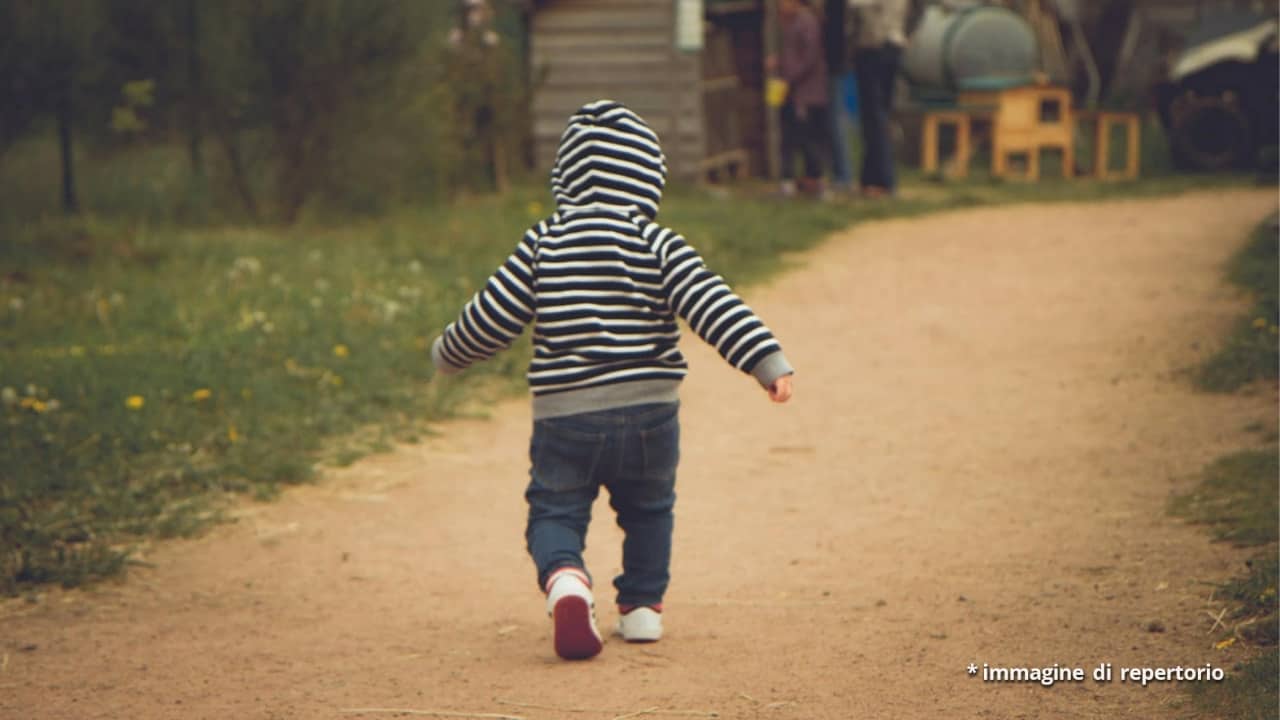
<point>640,624</point>
<point>572,608</point>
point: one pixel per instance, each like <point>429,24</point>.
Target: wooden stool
<point>1104,121</point>
<point>1028,119</point>
<point>933,120</point>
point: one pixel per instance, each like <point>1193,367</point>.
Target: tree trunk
<point>230,141</point>
<point>195,90</point>
<point>70,205</point>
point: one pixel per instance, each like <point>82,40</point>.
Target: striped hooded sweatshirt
<point>602,284</point>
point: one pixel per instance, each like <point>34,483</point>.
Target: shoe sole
<point>575,638</point>
<point>641,640</point>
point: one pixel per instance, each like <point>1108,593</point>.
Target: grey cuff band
<point>444,367</point>
<point>772,367</point>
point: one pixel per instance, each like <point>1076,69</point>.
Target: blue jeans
<point>841,122</point>
<point>631,451</point>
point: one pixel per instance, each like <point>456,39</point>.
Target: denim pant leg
<point>565,455</point>
<point>816,130</point>
<point>791,139</point>
<point>876,70</point>
<point>643,495</point>
<point>841,167</point>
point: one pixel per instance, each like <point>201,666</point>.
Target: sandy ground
<point>989,420</point>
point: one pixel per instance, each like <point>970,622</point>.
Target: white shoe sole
<point>641,625</point>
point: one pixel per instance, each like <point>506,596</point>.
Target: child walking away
<point>603,284</point>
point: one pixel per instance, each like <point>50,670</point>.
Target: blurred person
<point>602,284</point>
<point>476,25</point>
<point>803,65</point>
<point>880,38</point>
<point>836,40</point>
<point>477,71</point>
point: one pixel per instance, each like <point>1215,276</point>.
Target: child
<point>602,284</point>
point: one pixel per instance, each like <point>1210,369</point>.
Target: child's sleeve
<point>715,313</point>
<point>494,317</point>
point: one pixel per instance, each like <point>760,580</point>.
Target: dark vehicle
<point>1219,105</point>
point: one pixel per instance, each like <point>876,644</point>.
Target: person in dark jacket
<point>880,39</point>
<point>803,65</point>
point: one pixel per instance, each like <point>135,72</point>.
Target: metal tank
<point>954,48</point>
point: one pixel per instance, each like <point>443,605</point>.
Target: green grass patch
<point>1238,497</point>
<point>1252,687</point>
<point>1256,600</point>
<point>1252,350</point>
<point>151,372</point>
<point>1248,693</point>
<point>148,374</point>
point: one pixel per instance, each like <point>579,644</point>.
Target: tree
<point>319,62</point>
<point>43,69</point>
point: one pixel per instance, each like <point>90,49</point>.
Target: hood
<point>610,159</point>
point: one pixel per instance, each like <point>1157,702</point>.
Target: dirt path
<point>987,425</point>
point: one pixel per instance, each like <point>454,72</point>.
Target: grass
<point>1239,500</point>
<point>1249,693</point>
<point>1251,351</point>
<point>146,373</point>
<point>152,371</point>
<point>1238,497</point>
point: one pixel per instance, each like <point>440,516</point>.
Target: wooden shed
<point>706,103</point>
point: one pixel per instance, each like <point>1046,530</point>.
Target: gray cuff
<point>443,366</point>
<point>772,367</point>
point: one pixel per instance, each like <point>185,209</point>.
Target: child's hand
<point>780,390</point>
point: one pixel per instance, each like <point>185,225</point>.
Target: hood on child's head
<point>608,156</point>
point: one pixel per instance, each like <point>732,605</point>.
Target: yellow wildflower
<point>39,406</point>
<point>202,394</point>
<point>1260,322</point>
<point>134,402</point>
<point>27,403</point>
<point>535,208</point>
<point>232,435</point>
<point>341,350</point>
<point>1225,643</point>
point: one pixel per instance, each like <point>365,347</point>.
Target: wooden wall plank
<point>584,50</point>
<point>610,20</point>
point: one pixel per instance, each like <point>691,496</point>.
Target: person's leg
<point>790,139</point>
<point>871,114</point>
<point>643,496</point>
<point>566,456</point>
<point>814,149</point>
<point>562,486</point>
<point>841,172</point>
<point>890,59</point>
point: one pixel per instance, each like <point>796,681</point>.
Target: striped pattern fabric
<point>601,283</point>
